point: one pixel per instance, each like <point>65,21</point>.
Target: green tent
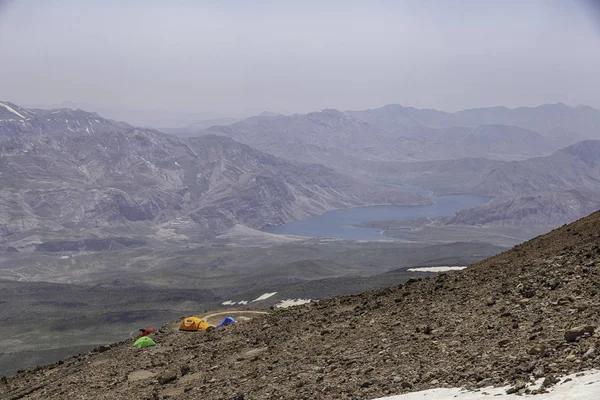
<point>144,341</point>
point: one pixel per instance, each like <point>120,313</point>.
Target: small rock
<point>575,333</point>
<point>239,396</point>
<point>167,377</point>
<point>590,354</point>
<point>515,389</point>
<point>185,369</point>
<point>550,380</point>
<point>571,357</point>
<point>255,352</point>
<point>102,348</point>
<point>406,385</point>
<point>537,350</point>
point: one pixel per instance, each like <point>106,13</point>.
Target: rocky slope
<point>527,313</point>
<point>555,189</point>
<point>72,181</point>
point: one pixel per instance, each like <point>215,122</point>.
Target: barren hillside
<point>529,312</point>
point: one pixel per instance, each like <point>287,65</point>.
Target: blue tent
<point>227,321</point>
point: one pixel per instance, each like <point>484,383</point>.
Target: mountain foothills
<point>527,314</point>
<point>115,175</point>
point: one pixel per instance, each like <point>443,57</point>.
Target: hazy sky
<point>237,57</point>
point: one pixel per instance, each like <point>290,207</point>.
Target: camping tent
<point>144,341</point>
<point>193,324</point>
<point>226,321</point>
<point>146,332</point>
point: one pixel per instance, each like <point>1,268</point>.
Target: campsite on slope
<point>527,314</point>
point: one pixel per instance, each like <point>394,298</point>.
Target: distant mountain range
<point>492,151</point>
<point>60,174</point>
<point>395,133</point>
<point>57,159</point>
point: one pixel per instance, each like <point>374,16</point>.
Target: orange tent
<point>193,324</point>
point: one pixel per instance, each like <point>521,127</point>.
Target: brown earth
<point>506,320</point>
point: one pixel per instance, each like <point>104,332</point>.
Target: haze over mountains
<point>396,133</point>
<point>107,174</point>
<point>54,159</point>
<point>483,151</point>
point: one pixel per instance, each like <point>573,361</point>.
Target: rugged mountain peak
<point>19,121</point>
<point>12,112</point>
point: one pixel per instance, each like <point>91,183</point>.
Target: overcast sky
<point>240,57</point>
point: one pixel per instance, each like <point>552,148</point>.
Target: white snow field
<point>264,296</point>
<point>441,268</point>
<point>583,387</point>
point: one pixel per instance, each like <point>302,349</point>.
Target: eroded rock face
<point>437,332</point>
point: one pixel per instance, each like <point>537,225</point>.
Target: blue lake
<point>339,223</point>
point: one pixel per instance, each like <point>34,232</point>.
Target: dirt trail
<point>215,318</point>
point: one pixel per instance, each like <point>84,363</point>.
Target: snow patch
<point>12,110</point>
<point>233,303</point>
<point>584,387</point>
<point>264,296</point>
<point>292,302</point>
<point>441,268</point>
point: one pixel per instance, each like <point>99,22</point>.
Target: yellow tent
<point>193,324</point>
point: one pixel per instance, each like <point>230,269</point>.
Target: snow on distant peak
<point>12,110</point>
<point>264,296</point>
